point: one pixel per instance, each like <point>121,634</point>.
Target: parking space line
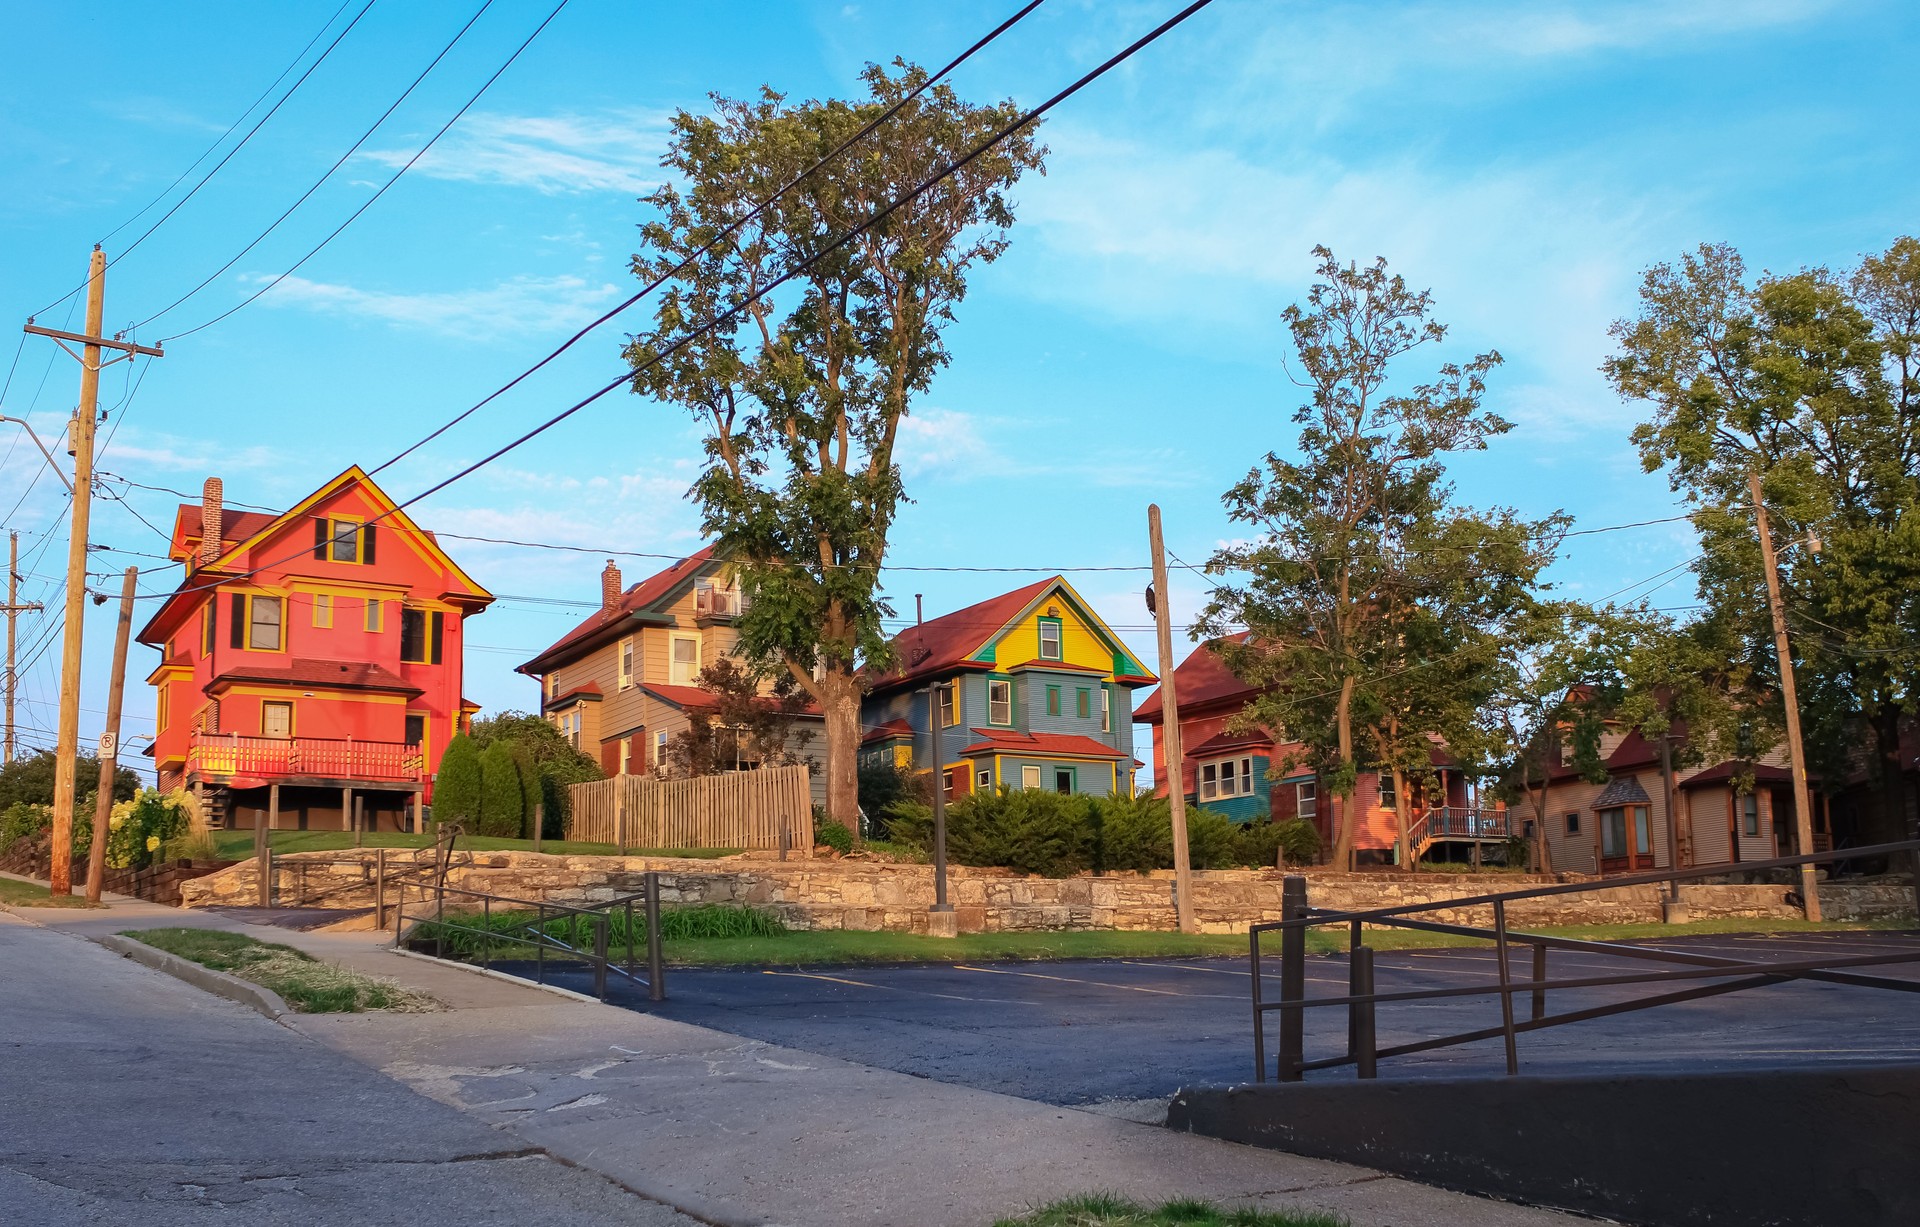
<point>1132,988</point>
<point>1222,971</point>
<point>894,988</point>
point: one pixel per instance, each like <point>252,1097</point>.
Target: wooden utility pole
<point>110,740</point>
<point>1170,725</point>
<point>13,609</point>
<point>1796,753</point>
<point>85,418</point>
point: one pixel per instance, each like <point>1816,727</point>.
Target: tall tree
<point>1375,603</point>
<point>456,788</point>
<point>1812,380</point>
<point>803,392</point>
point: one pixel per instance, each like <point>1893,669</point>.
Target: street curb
<point>218,983</point>
<point>499,975</point>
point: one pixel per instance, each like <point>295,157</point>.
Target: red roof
<point>235,526</point>
<point>1056,666</point>
<point>334,674</point>
<point>1200,679</point>
<point>1220,743</point>
<point>887,732</point>
<point>941,645</point>
<point>697,699</point>
<point>1763,773</point>
<point>590,690</point>
<point>1042,745</point>
<point>636,599</point>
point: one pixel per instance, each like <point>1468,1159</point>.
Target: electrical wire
<point>1024,120</point>
<point>382,190</point>
<point>317,183</point>
<point>726,233</point>
<point>204,179</point>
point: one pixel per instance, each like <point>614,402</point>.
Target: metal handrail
<point>600,914</point>
<point>1361,1000</point>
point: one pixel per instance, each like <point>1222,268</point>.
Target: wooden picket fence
<point>735,809</point>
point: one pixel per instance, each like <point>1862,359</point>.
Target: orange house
<point>310,670</point>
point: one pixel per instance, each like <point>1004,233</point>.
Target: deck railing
<point>224,756</point>
<point>1463,822</point>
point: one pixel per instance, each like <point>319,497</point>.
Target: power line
<point>192,191</point>
<point>317,183</point>
<point>1024,120</point>
<point>726,233</point>
<point>238,120</point>
<point>382,190</point>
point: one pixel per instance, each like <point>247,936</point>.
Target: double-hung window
<point>626,663</point>
<point>1050,639</point>
<point>1030,776</point>
<point>264,616</point>
<point>208,618</point>
<point>374,621</point>
<point>342,540</point>
<point>659,749</point>
<point>1106,710</point>
<point>999,701</point>
<point>684,665</point>
<point>1389,799</point>
<point>1306,798</point>
<point>1750,814</point>
<point>1053,700</point>
<point>322,609</point>
<point>1083,703</point>
<point>949,704</point>
<point>983,778</point>
<point>1231,777</point>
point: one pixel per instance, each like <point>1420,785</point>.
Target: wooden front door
<point>1626,839</point>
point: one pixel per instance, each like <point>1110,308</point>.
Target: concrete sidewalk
<point>736,1131</point>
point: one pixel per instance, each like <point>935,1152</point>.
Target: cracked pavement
<point>129,1097</point>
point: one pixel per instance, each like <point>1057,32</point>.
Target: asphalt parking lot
<point>1087,1031</point>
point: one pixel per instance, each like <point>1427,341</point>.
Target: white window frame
<point>674,664</point>
<point>949,703</point>
<point>1226,777</point>
<point>1306,799</point>
<point>1388,798</point>
<point>1030,776</point>
<point>659,749</point>
<point>626,748</point>
<point>983,778</point>
<point>1005,704</point>
<point>626,664</point>
<point>1059,638</point>
<point>1750,825</point>
<point>285,705</point>
<point>1106,710</point>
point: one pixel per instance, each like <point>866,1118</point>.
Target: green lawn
<point>303,982</point>
<point>238,845</point>
<point>32,894</point>
<point>1103,1210</point>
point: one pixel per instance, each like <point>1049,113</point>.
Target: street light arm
<point>22,423</point>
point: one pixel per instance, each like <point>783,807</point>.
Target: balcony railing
<point>1463,822</point>
<point>231,757</point>
<point>716,602</point>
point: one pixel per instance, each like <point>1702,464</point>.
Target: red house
<point>310,664</point>
<point>1231,773</point>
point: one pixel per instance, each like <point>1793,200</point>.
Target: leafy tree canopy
<point>28,780</point>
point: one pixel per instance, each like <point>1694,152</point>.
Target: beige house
<point>1620,826</point>
<point>625,681</point>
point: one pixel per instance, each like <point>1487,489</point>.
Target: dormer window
<point>1049,639</point>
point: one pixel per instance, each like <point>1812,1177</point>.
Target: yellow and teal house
<point>1031,690</point>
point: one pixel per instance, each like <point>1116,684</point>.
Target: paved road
<point>127,1097</point>
<point>1090,1031</point>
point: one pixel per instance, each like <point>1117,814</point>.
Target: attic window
<point>342,540</point>
<point>1050,639</point>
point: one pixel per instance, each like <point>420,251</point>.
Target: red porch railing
<point>226,757</point>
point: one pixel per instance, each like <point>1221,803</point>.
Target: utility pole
<point>941,919</point>
<point>1672,911</point>
<point>1170,724</point>
<point>1796,753</point>
<point>110,741</point>
<point>85,418</point>
<point>13,609</point>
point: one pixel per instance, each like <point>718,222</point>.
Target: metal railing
<point>585,933</point>
<point>1361,999</point>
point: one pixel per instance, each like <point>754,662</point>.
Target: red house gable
<point>318,650</point>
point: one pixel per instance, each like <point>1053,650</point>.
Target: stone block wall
<point>823,894</point>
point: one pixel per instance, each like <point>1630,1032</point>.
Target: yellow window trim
<point>292,729</point>
<point>246,634</point>
<point>322,603</point>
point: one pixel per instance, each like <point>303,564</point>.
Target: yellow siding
<point>1080,643</point>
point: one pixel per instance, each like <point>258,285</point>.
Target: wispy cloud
<point>521,306</point>
<point>954,445</point>
<point>615,151</point>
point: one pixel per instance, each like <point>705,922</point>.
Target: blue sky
<point>1523,160</point>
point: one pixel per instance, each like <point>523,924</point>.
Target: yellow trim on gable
<point>318,692</point>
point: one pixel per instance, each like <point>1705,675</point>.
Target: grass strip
<point>238,845</point>
<point>302,981</point>
<point>1106,1210</point>
<point>31,894</point>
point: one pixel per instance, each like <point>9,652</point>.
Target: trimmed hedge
<point>1057,835</point>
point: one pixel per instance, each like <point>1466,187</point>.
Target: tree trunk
<point>840,709</point>
<point>1400,838</point>
<point>1342,811</point>
<point>1894,821</point>
<point>1542,850</point>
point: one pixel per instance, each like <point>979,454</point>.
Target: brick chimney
<point>212,506</point>
<point>610,590</point>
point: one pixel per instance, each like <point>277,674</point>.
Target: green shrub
<point>456,789</point>
<point>502,799</point>
<point>1261,844</point>
<point>1213,840</point>
<point>833,833</point>
<point>1028,831</point>
<point>1135,833</point>
<point>139,829</point>
<point>22,820</point>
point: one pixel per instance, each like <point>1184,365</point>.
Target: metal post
<point>940,903</point>
<point>263,845</point>
<point>380,888</point>
<point>540,944</point>
<point>1506,986</point>
<point>539,822</point>
<point>1365,1042</point>
<point>486,931</point>
<point>656,966</point>
<point>1293,978</point>
<point>600,955</point>
<point>1259,1014</point>
<point>1353,970</point>
<point>1539,977</point>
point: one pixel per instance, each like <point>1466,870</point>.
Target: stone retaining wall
<point>821,894</point>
